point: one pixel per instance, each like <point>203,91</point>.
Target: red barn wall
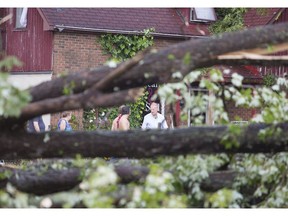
<point>31,45</point>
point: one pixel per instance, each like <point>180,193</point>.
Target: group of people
<point>152,120</point>
<point>37,124</point>
<point>121,123</point>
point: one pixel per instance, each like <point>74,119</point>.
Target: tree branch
<point>158,66</point>
<point>40,182</point>
<point>141,144</point>
<point>89,99</point>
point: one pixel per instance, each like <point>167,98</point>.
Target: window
<point>21,17</point>
<point>202,14</point>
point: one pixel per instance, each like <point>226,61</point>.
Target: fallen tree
<point>111,86</point>
<point>143,144</point>
<point>42,182</point>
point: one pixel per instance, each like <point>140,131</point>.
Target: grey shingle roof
<point>254,17</point>
<point>164,20</point>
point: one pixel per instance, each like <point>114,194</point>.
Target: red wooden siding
<point>279,71</point>
<point>33,45</point>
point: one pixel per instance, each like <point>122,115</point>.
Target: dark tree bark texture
<point>142,144</point>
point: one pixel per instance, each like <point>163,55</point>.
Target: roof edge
<point>46,23</point>
<point>61,28</point>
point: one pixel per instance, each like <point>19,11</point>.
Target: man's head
<point>154,108</point>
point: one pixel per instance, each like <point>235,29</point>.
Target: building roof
<point>258,17</point>
<point>165,21</point>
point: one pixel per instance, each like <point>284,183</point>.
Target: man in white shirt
<point>154,119</point>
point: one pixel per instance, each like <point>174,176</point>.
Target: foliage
<point>89,119</point>
<point>267,174</point>
<point>68,88</point>
<point>269,80</point>
<point>100,188</point>
<point>230,139</point>
<point>8,63</point>
<point>73,122</point>
<point>271,100</point>
<point>229,20</point>
<point>191,171</point>
<point>120,47</point>
<point>224,198</point>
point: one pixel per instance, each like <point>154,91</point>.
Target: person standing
<point>36,124</point>
<point>63,123</point>
<point>154,119</point>
<point>121,122</point>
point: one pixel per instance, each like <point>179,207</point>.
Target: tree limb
<point>41,182</point>
<point>158,67</point>
<point>141,144</point>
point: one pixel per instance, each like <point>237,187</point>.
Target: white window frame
<point>202,15</point>
<point>21,18</point>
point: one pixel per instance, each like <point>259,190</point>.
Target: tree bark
<point>42,182</point>
<point>218,180</point>
<point>142,144</point>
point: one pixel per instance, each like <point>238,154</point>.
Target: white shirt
<point>151,122</point>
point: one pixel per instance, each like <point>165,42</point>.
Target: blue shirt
<point>67,127</point>
<point>40,122</point>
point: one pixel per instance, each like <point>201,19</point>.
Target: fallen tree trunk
<point>143,144</point>
<point>218,180</point>
<point>160,67</point>
<point>46,181</point>
<point>39,183</point>
<point>42,182</point>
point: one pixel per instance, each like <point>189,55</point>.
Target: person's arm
<point>144,123</point>
<point>62,125</point>
<point>113,126</point>
<point>164,125</point>
<point>36,126</point>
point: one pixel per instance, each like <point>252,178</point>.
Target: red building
<point>268,16</point>
<point>254,75</point>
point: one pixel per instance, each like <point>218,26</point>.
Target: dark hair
<point>125,110</point>
<point>65,114</point>
<point>120,109</point>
